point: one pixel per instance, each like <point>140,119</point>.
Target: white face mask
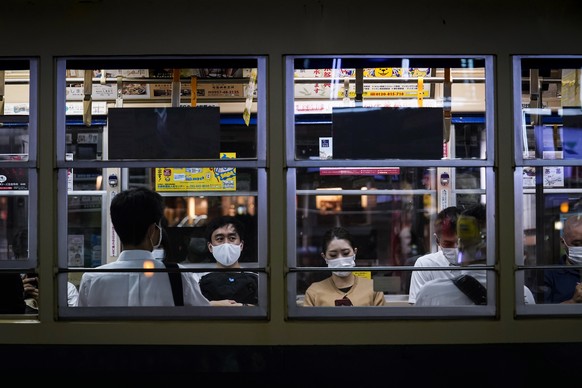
<point>574,254</point>
<point>342,262</point>
<point>451,255</point>
<point>159,240</point>
<point>226,254</point>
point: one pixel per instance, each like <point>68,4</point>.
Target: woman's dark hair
<point>338,232</point>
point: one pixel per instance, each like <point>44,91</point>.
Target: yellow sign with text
<point>197,178</point>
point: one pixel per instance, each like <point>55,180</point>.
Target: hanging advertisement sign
<point>198,178</point>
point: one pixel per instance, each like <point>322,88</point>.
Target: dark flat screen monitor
<point>387,133</point>
<point>164,133</point>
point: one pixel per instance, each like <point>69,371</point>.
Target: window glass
<point>379,146</point>
<point>548,124</point>
<point>190,129</point>
<point>18,260</point>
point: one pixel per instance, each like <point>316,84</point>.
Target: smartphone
<point>343,302</point>
<point>31,275</point>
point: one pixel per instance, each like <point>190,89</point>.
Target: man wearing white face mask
<point>136,215</point>
<point>468,287</point>
<point>446,238</point>
<point>225,240</point>
<point>342,288</point>
<point>563,285</point>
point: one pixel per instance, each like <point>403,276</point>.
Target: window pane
<point>379,146</point>
<point>191,129</point>
<point>388,108</point>
<point>153,113</point>
<point>548,128</point>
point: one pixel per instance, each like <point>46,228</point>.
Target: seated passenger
<point>445,227</point>
<point>563,285</point>
<point>342,288</point>
<point>469,286</point>
<point>136,215</point>
<point>225,239</point>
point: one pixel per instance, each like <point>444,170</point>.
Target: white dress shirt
<point>135,288</point>
<point>420,278</point>
<point>443,292</point>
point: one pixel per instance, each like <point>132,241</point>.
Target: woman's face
<point>339,248</point>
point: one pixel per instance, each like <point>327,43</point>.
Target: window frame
<point>530,61</point>
<point>31,164</point>
<point>259,163</point>
<point>387,312</point>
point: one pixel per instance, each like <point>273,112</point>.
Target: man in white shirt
<point>136,214</point>
<point>446,238</point>
<point>471,230</point>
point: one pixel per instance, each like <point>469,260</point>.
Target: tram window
<point>18,196</point>
<point>192,130</point>
<point>352,163</point>
<point>548,127</point>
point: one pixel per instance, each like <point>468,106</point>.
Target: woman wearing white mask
<point>225,239</point>
<point>342,288</point>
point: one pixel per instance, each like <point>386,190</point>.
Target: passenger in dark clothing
<point>11,294</point>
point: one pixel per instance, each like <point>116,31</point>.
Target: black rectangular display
<point>387,133</point>
<point>164,133</point>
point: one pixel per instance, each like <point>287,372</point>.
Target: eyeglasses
<point>445,244</point>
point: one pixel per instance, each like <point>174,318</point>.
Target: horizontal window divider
<point>457,118</point>
<point>234,163</point>
<point>166,313</point>
<point>386,80</point>
<point>207,193</point>
<point>370,192</point>
<point>390,163</point>
<point>18,164</point>
<point>547,162</point>
<point>548,266</point>
<point>394,268</point>
<point>554,191</point>
<point>167,100</point>
<point>13,193</point>
<point>87,192</point>
<point>170,80</point>
<point>373,192</point>
<point>392,312</point>
<point>544,309</point>
<point>163,270</point>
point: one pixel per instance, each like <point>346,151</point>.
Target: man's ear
<point>242,244</point>
<point>209,247</point>
<point>355,251</point>
<point>151,230</point>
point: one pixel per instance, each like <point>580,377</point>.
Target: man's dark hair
<point>478,211</point>
<point>133,211</point>
<point>221,221</point>
<point>446,221</point>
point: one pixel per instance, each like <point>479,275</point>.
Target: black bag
<point>239,286</point>
<point>176,283</point>
<point>472,288</point>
